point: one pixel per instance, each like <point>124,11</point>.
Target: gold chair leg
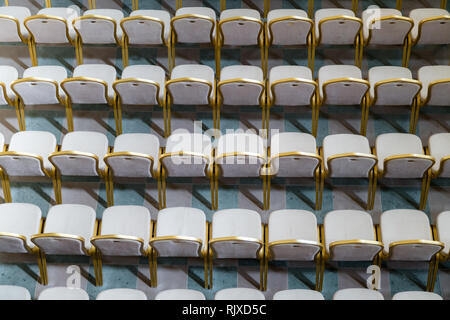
<point>310,9</point>
<point>135,5</point>
<point>205,266</point>
<point>118,114</point>
<point>94,263</point>
<point>125,52</point>
<point>155,269</point>
<point>443,4</point>
<point>408,51</point>
<point>216,187</point>
<point>417,116</point>
<point>32,51</point>
<point>318,270</point>
<point>217,52</point>
<point>355,6</point>
<point>318,179</point>
<point>69,114</point>
<point>261,274</point>
<point>218,116</point>
<point>163,186</point>
<point>374,188</point>
<point>399,5</point>
<point>18,114</point>
<point>99,279</point>
<point>213,200</point>
<point>431,267</point>
<point>6,187</point>
<point>56,190</point>
<point>22,114</point>
<point>435,271</point>
<point>223,5</point>
<point>269,180</point>
<point>42,262</point>
<point>211,267</point>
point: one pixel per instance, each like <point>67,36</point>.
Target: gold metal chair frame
<point>313,100</point>
<point>220,39</point>
<point>118,103</point>
<point>169,99</point>
<point>32,42</point>
<point>406,42</point>
<point>126,42</point>
<point>105,175</point>
<point>79,38</point>
<point>209,173</point>
<point>43,259</point>
<point>372,173</point>
<point>242,81</point>
<point>426,179</point>
<point>431,86</point>
<point>260,254</point>
<point>298,242</point>
<point>415,106</point>
<point>310,39</point>
<point>400,4</point>
<point>365,102</point>
<point>174,37</point>
<point>112,104</point>
<point>440,257</point>
<point>359,39</point>
<point>318,175</point>
<point>14,103</point>
<point>202,253</point>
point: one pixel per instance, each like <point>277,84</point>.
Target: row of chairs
<point>233,155</point>
<point>8,292</point>
<point>192,84</point>
<point>289,235</point>
<point>235,27</point>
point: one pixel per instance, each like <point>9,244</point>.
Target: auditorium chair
<point>239,294</point>
<point>298,294</point>
<point>8,292</point>
<point>12,29</point>
<point>180,294</point>
<point>294,155</point>
<point>180,232</point>
<point>292,235</point>
<point>40,86</point>
<point>439,149</point>
<point>416,295</point>
<point>27,156</point>
<point>122,294</point>
<point>350,156</point>
<point>187,155</point>
<point>124,231</point>
<point>441,232</point>
<point>357,294</point>
<point>134,155</point>
<point>67,231</point>
<point>63,293</point>
<point>9,74</point>
<point>236,234</point>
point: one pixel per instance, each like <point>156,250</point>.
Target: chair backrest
<point>83,90</point>
<point>355,165</point>
<point>290,30</point>
<point>241,91</point>
<point>10,23</point>
<point>439,93</point>
<point>37,91</point>
<point>138,91</point>
<point>340,30</point>
<point>190,91</point>
<point>241,31</point>
<point>412,166</point>
<point>292,92</point>
<point>396,92</point>
<point>434,30</point>
<point>144,30</point>
<point>193,28</point>
<point>389,30</point>
<point>74,163</point>
<point>95,29</point>
<point>345,91</point>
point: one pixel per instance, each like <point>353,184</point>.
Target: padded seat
<point>239,294</point>
<point>341,31</point>
<point>8,292</point>
<point>63,293</point>
<point>180,294</point>
<point>298,294</point>
<point>439,149</point>
<point>14,30</point>
<point>122,294</point>
<point>292,31</point>
<point>100,34</point>
<point>135,37</point>
<point>191,29</point>
<point>357,294</point>
<point>416,295</point>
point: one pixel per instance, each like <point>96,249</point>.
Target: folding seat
<point>98,27</point>
<point>239,28</point>
<point>338,27</point>
<point>140,85</point>
<point>67,231</point>
<point>90,84</point>
<point>350,156</point>
<point>193,25</point>
<point>289,28</point>
<point>135,155</point>
<point>63,293</point>
<point>386,27</point>
<point>81,154</point>
<point>14,293</point>
<point>293,235</point>
<point>343,85</point>
<point>294,155</point>
<point>236,234</point>
<point>416,295</point>
<point>298,294</point>
<point>349,235</point>
<point>40,86</point>
<point>357,294</point>
<point>27,156</point>
<point>180,294</point>
<point>239,294</point>
<point>124,231</point>
<point>8,74</point>
<point>239,155</point>
<point>292,86</point>
<point>407,236</point>
<point>439,149</point>
<point>52,26</point>
<point>394,86</point>
<point>12,28</point>
<point>435,85</point>
<point>402,156</point>
<point>190,84</point>
<point>431,27</point>
<point>180,232</point>
<point>145,28</point>
<point>441,232</point>
<point>122,294</point>
<point>241,86</point>
<point>187,155</point>
<point>18,222</point>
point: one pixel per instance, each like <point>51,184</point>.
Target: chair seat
<point>328,13</point>
<point>8,74</point>
<point>439,146</point>
<point>236,223</point>
<point>180,294</point>
<point>162,15</point>
<point>377,74</point>
<point>196,71</point>
<point>423,13</point>
<point>63,293</point>
<point>20,218</point>
<point>298,294</point>
<point>239,294</point>
<point>115,14</point>
<point>202,33</point>
<point>370,15</point>
<point>14,293</point>
<point>72,219</point>
<point>443,230</point>
<point>20,13</point>
<point>69,14</point>
<point>357,294</point>
<point>122,294</point>
<point>416,295</point>
<point>429,74</point>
